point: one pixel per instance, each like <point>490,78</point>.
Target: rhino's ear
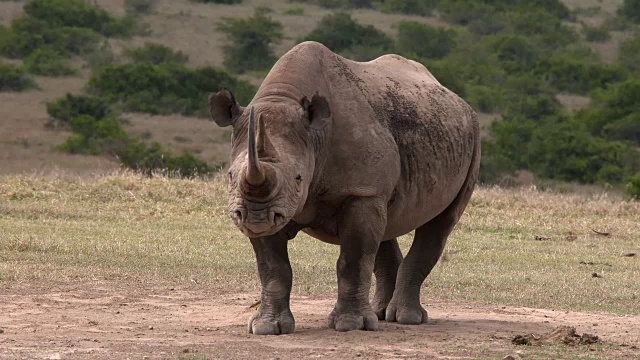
<point>317,110</point>
<point>224,108</point>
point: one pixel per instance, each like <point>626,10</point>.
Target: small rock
<point>55,357</point>
<point>1,331</point>
<point>150,327</point>
<point>596,275</point>
<point>520,340</point>
<point>631,253</point>
<point>512,357</point>
<point>93,323</point>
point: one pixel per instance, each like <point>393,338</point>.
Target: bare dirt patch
<point>114,320</point>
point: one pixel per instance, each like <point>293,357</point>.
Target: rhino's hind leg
<point>427,247</point>
<point>388,261</point>
<point>274,316</point>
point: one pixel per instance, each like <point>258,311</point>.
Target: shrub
<point>48,62</point>
<point>339,31</point>
<point>613,112</point>
<point>585,158</point>
<point>149,158</point>
<point>166,88</point>
<point>596,33</point>
<point>413,7</point>
<point>250,41</point>
<point>424,40</point>
<point>575,75</point>
<point>81,14</point>
<point>633,186</point>
<point>156,54</point>
<point>630,53</point>
<point>139,7</point>
<point>294,11</point>
<point>631,10</point>
<point>230,2</point>
<point>94,136</point>
<point>29,34</point>
<point>14,78</point>
<point>71,106</point>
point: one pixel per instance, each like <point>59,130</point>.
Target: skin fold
<point>354,154</point>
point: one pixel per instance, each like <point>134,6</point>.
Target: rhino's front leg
<point>360,228</point>
<point>274,316</point>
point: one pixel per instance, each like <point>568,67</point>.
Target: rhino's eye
<point>299,177</point>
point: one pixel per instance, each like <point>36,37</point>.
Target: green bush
<point>596,33</point>
<point>72,106</point>
<point>49,62</point>
<point>153,157</point>
<point>14,78</point>
<point>97,131</point>
<point>630,53</point>
<point>585,158</point>
<point>81,14</point>
<point>613,112</point>
<point>94,136</point>
<point>575,75</point>
<point>413,7</point>
<point>166,88</point>
<point>139,7</point>
<point>631,10</point>
<point>156,54</point>
<point>250,41</point>
<point>424,40</point>
<point>229,2</point>
<point>340,32</point>
<point>294,11</point>
<point>28,34</point>
<point>633,186</point>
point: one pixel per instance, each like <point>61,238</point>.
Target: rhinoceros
<point>354,154</point>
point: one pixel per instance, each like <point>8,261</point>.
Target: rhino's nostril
<point>278,219</point>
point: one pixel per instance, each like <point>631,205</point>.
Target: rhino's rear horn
<point>255,172</point>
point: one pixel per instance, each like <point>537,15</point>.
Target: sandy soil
<point>116,321</point>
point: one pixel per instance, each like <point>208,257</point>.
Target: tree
<point>250,41</point>
<point>631,10</point>
<point>340,32</point>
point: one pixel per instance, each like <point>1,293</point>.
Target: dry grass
<point>573,102</point>
<point>124,226</point>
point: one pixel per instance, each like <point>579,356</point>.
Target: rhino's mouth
<point>258,223</point>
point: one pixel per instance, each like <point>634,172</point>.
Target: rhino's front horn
<point>255,173</point>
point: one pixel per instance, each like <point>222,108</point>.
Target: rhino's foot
<point>380,308</point>
<point>406,314</point>
<point>343,321</point>
<point>267,324</point>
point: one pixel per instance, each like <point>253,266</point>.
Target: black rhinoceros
<point>354,154</point>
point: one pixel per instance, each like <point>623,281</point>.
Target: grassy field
<point>124,226</point>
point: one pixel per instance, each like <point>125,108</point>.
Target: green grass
<point>127,227</point>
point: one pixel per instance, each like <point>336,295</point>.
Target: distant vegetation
<point>249,41</point>
<point>98,131</point>
<point>512,58</point>
<point>51,31</point>
<point>507,57</point>
<point>14,78</point>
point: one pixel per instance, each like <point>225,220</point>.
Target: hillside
<point>27,145</point>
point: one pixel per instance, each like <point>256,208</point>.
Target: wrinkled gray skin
<point>354,154</point>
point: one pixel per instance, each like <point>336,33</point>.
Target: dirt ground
<point>107,320</point>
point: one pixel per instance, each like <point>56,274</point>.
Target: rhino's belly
<point>425,195</point>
